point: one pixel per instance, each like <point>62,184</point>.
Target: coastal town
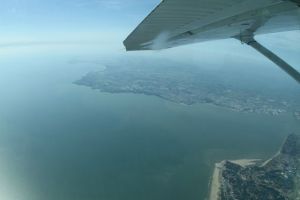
<point>276,178</point>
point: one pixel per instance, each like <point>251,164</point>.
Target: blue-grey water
<point>67,142</point>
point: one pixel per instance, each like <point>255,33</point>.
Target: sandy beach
<point>245,162</point>
<point>215,183</point>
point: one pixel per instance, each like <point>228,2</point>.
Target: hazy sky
<point>25,18</point>
<point>110,21</point>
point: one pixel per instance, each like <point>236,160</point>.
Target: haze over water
<point>62,141</point>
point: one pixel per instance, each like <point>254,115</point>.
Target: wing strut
<point>273,57</point>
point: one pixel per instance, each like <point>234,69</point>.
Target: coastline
<point>245,162</point>
<point>267,161</point>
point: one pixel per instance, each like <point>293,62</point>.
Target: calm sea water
<point>66,142</point>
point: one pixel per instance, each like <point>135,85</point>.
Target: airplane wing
<point>178,22</point>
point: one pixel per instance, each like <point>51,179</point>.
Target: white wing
<point>178,22</point>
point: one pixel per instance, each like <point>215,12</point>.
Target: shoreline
<point>245,162</point>
<point>215,182</point>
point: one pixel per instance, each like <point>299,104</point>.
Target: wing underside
<point>178,22</point>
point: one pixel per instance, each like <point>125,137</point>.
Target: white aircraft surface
<point>178,22</point>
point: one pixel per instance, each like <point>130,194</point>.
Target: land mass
<point>275,179</point>
<point>189,85</point>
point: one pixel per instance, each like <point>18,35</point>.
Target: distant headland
<point>190,85</point>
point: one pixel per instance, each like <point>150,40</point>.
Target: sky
<point>29,19</point>
<point>109,22</point>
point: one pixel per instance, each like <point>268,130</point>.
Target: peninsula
<point>190,85</point>
<point>275,179</point>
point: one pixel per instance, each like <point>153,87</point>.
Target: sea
<point>62,141</point>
